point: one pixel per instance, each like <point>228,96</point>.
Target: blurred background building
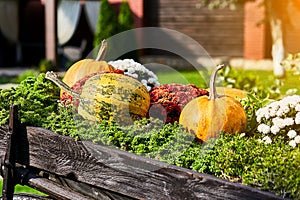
<point>32,30</point>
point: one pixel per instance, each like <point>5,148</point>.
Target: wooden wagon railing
<point>65,168</point>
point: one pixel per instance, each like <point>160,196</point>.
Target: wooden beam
<point>123,173</point>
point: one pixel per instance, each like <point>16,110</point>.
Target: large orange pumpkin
<point>85,67</point>
<point>206,116</point>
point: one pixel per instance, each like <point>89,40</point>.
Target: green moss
<point>36,97</point>
<point>274,167</point>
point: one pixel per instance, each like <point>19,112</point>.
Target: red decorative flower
<point>167,100</point>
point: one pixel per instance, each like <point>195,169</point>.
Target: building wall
<point>291,29</point>
<point>220,32</point>
<point>136,7</point>
<point>254,31</point>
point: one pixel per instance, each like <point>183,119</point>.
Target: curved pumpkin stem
<point>52,76</point>
<point>102,50</point>
<point>212,83</point>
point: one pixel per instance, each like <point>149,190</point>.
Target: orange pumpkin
<point>85,67</point>
<point>206,116</point>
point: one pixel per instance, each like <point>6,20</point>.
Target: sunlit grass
<point>22,189</point>
<point>184,77</point>
<point>201,79</point>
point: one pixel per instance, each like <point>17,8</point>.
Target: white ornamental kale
<point>138,71</point>
<point>280,118</point>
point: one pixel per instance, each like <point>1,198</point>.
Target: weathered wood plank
<point>125,173</point>
<point>55,190</point>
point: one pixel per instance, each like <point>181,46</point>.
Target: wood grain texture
<point>124,173</point>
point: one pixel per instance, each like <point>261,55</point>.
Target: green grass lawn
<point>22,189</point>
<point>201,79</point>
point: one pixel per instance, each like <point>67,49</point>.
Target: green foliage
<point>28,73</point>
<point>243,80</point>
<point>273,167</point>
<point>126,22</point>
<point>184,77</point>
<point>125,17</point>
<point>233,78</point>
<point>147,136</point>
<point>22,76</point>
<point>23,189</point>
<point>107,24</point>
<point>36,97</point>
<point>61,121</point>
<point>292,62</point>
<point>111,23</point>
<point>46,65</point>
<point>251,104</point>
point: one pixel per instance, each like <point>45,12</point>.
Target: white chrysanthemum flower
<point>288,121</point>
<point>295,98</point>
<point>144,82</point>
<point>267,115</point>
<point>297,108</point>
<point>282,116</point>
<point>275,129</point>
<point>130,70</point>
<point>136,70</point>
<point>272,112</point>
<point>263,128</point>
<point>292,143</point>
<point>280,112</point>
<point>267,140</point>
<point>297,139</point>
<point>297,118</point>
<point>258,119</point>
<point>260,140</point>
<point>259,115</point>
<point>285,109</point>
<point>151,80</point>
<point>292,134</point>
<point>134,75</point>
<point>277,121</point>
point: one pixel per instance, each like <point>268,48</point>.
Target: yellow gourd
<point>109,96</point>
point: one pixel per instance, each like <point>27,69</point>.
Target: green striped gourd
<point>109,96</point>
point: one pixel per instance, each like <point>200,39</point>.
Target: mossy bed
<point>235,157</point>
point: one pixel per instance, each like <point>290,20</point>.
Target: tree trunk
<point>277,47</point>
<point>275,15</point>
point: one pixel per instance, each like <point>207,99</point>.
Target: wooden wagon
<point>65,168</point>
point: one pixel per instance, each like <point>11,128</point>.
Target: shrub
<point>46,65</point>
<point>125,18</point>
<point>107,24</point>
<point>292,62</point>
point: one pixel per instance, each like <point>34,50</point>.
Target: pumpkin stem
<point>212,83</point>
<point>52,76</point>
<point>102,50</point>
